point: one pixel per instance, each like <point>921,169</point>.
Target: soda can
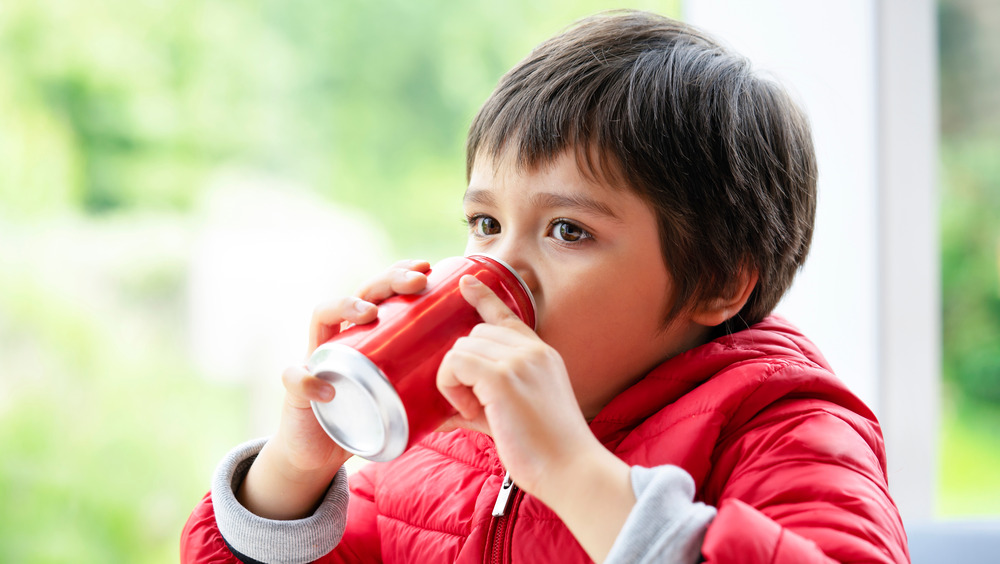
<point>385,372</point>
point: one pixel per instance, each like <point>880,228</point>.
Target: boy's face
<point>591,256</point>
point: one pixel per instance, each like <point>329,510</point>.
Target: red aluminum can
<point>385,372</point>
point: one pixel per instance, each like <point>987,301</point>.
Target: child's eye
<point>483,225</point>
<point>568,231</point>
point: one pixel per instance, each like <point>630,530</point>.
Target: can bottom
<point>366,417</point>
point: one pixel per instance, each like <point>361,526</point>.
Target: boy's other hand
<point>505,381</point>
<point>308,447</point>
<point>295,467</point>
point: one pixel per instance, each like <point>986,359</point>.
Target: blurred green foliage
<point>970,256</point>
<point>970,234</point>
<point>970,456</point>
<point>115,117</point>
<point>133,105</point>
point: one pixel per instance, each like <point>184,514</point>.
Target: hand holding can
<point>384,372</point>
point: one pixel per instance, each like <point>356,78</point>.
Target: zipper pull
<point>503,498</point>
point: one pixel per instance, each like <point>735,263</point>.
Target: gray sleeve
<point>665,525</point>
<point>266,540</point>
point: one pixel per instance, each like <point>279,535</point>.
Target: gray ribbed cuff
<point>665,525</point>
<point>267,540</point>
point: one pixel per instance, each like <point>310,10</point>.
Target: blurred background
<point>969,70</point>
<point>182,181</point>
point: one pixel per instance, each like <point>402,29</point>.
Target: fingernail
<point>411,276</point>
<point>326,393</point>
<point>471,280</point>
<point>362,306</point>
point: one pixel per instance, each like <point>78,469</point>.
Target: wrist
<point>281,459</point>
<point>595,474</point>
<point>596,483</point>
<point>274,488</point>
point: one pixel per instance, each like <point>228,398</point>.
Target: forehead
<point>562,182</point>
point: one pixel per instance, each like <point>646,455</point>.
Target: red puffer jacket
<point>793,461</point>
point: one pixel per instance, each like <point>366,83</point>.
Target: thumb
<point>489,306</point>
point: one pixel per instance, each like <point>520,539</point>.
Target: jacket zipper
<point>503,498</point>
<point>502,528</point>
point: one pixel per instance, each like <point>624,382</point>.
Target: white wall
<point>864,72</point>
<point>909,265</point>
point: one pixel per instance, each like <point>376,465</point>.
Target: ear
<point>718,310</point>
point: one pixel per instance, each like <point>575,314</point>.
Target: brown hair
<point>722,155</point>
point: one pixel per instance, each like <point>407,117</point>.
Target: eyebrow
<point>481,197</point>
<point>549,200</point>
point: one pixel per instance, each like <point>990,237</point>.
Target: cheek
<point>577,325</point>
<point>607,325</point>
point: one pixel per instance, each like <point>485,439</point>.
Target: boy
<point>657,197</point>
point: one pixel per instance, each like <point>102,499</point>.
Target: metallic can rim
<point>350,364</point>
<point>524,286</point>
